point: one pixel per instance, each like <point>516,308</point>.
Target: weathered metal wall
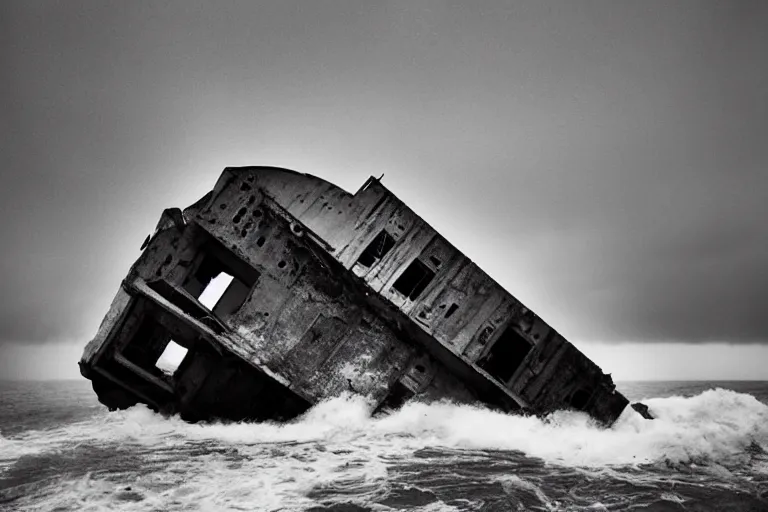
<point>303,315</point>
<point>480,309</point>
<point>299,317</point>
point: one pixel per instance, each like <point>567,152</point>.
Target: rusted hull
<point>329,292</point>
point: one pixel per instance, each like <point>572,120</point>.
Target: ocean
<point>60,450</point>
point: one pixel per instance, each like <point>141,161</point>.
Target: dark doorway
<point>506,355</point>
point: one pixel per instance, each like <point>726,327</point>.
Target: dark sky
<point>607,162</point>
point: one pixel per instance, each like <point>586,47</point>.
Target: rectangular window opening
<point>377,249</point>
<point>214,290</point>
<point>414,280</point>
<point>506,355</point>
<point>435,261</point>
<point>147,343</point>
<point>221,282</point>
<point>171,358</point>
<point>234,297</point>
<point>451,310</point>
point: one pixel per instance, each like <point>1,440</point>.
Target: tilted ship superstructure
<point>324,292</point>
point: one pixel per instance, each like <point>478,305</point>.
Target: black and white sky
<point>605,161</point>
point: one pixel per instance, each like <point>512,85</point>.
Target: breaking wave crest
<point>338,453</point>
<point>715,426</point>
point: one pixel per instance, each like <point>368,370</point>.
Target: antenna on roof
<point>382,175</point>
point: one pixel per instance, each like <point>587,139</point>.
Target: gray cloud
<point>606,161</point>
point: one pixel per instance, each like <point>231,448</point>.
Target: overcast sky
<point>606,162</point>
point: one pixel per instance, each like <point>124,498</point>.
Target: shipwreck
<point>278,289</point>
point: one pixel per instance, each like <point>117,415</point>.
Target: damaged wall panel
<point>323,292</point>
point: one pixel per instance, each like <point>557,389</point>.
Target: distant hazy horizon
<point>604,161</point>
<point>625,362</point>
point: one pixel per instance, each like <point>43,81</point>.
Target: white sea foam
<point>714,426</point>
<point>338,447</point>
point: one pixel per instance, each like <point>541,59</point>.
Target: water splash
<point>338,453</point>
<point>715,426</point>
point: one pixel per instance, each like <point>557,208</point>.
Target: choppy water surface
<point>60,450</point>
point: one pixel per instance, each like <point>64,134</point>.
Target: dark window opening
<point>435,261</point>
<point>233,297</point>
<point>147,345</point>
<point>377,249</point>
<point>221,281</point>
<point>451,310</point>
<point>506,355</point>
<point>156,341</point>
<point>414,280</point>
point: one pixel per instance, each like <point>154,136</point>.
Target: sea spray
<point>717,425</point>
<point>439,456</point>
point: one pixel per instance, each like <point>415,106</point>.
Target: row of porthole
<point>243,232</point>
<point>325,205</point>
<point>256,213</point>
<point>249,224</point>
<point>241,213</point>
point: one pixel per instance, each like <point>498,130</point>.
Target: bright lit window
<point>171,358</point>
<point>215,290</point>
